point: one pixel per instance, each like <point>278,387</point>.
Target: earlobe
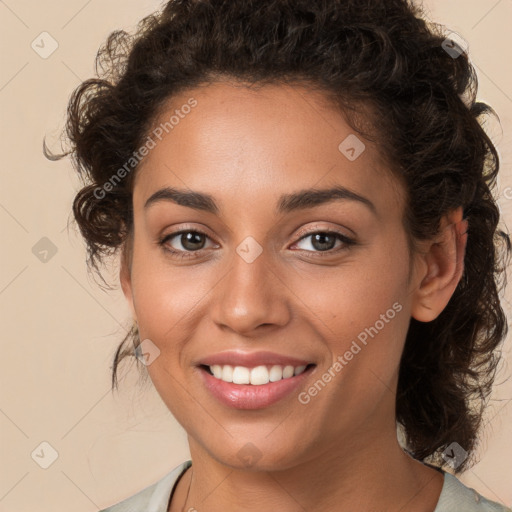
<point>443,266</point>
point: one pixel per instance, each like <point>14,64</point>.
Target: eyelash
<point>194,254</point>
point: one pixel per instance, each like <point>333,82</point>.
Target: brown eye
<point>184,242</point>
<point>191,240</point>
<point>323,241</point>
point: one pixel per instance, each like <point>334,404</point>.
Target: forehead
<point>260,142</point>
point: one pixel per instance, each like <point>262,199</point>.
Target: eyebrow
<point>301,200</point>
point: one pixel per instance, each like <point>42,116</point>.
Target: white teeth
<point>227,373</point>
<point>288,372</point>
<point>216,369</point>
<point>259,375</point>
<point>241,375</point>
<point>299,369</point>
<point>276,373</point>
<point>256,376</point>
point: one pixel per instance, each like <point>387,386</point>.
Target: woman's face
<point>312,278</point>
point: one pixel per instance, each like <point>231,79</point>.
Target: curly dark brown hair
<point>370,55</point>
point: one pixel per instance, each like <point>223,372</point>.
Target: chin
<point>258,454</point>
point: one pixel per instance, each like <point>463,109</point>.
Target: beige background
<point>59,330</point>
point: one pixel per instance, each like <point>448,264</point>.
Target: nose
<point>251,295</point>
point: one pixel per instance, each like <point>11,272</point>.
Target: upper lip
<point>251,359</point>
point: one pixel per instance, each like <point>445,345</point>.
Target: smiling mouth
<point>257,375</point>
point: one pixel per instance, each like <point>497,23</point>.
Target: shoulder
<point>455,496</point>
<point>154,498</point>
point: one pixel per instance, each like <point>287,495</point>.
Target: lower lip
<point>248,396</point>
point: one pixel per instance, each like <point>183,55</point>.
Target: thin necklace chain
<point>188,492</point>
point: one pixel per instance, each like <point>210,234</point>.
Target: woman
<point>300,193</point>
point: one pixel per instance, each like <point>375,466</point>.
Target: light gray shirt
<point>455,496</point>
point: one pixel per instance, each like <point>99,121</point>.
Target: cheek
<point>363,309</point>
<point>164,294</point>
<point>353,296</point>
<point>361,316</point>
<point>166,299</point>
<point>166,302</point>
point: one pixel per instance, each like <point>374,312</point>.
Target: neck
<point>366,474</point>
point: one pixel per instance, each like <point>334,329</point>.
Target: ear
<point>441,264</point>
<point>126,280</point>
